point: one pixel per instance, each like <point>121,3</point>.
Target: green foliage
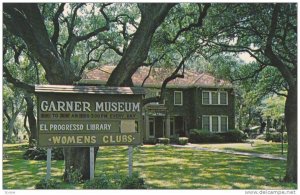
<point>74,176</point>
<point>276,137</point>
<point>101,182</point>
<point>200,136</point>
<point>116,181</point>
<point>182,140</point>
<point>133,182</point>
<point>47,184</point>
<point>234,136</point>
<point>35,153</point>
<point>273,106</point>
<point>163,140</point>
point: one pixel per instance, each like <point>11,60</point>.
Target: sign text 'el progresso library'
<point>81,116</point>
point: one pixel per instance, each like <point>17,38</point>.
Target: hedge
<point>182,140</point>
<point>232,136</point>
<point>163,140</point>
<point>276,137</point>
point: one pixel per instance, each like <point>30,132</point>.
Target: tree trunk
<point>31,119</point>
<point>26,22</point>
<point>78,159</point>
<point>10,130</point>
<point>152,17</point>
<point>291,125</point>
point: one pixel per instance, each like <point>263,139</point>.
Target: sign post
<point>92,163</point>
<point>130,152</point>
<point>48,164</point>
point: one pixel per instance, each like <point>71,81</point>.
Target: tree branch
<point>283,68</point>
<point>25,125</point>
<point>72,24</point>
<point>110,46</point>
<point>55,35</point>
<point>91,60</point>
<point>173,76</point>
<point>73,39</point>
<point>16,82</point>
<point>198,24</point>
<point>151,66</point>
<point>252,75</point>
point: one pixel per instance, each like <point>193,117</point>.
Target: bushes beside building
<point>201,136</point>
<point>276,137</point>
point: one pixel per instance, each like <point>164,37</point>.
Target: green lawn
<point>162,167</point>
<point>259,146</point>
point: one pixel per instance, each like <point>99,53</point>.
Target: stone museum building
<point>197,101</point>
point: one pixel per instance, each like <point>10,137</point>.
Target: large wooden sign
<point>81,116</point>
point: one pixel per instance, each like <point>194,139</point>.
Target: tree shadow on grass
<point>186,169</point>
<point>162,167</point>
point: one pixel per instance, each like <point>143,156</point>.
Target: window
<point>224,123</point>
<point>223,98</point>
<point>205,97</point>
<point>178,98</point>
<point>151,127</point>
<point>215,123</point>
<point>205,123</point>
<point>214,98</point>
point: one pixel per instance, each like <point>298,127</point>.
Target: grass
<point>162,167</point>
<point>259,146</point>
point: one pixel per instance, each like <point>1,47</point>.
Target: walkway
<point>258,155</point>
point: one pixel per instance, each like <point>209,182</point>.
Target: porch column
<point>168,126</point>
<point>147,126</point>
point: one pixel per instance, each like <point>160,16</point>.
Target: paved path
<point>258,155</point>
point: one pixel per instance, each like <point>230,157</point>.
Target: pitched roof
<point>156,78</point>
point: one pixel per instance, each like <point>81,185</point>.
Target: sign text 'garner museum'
<point>88,115</point>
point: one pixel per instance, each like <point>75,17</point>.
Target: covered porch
<point>160,123</point>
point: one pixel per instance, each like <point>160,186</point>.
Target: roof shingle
<point>157,76</point>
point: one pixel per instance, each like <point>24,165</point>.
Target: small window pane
<point>177,98</point>
<point>215,123</point>
<point>205,97</point>
<point>205,123</point>
<point>223,98</point>
<point>214,97</point>
<point>224,123</point>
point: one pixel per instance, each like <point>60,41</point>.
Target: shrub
<point>47,184</point>
<point>276,137</point>
<point>163,140</point>
<point>116,182</point>
<point>102,182</point>
<point>74,176</point>
<point>57,154</point>
<point>234,136</point>
<point>200,136</point>
<point>133,182</point>
<point>35,153</point>
<point>182,140</point>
